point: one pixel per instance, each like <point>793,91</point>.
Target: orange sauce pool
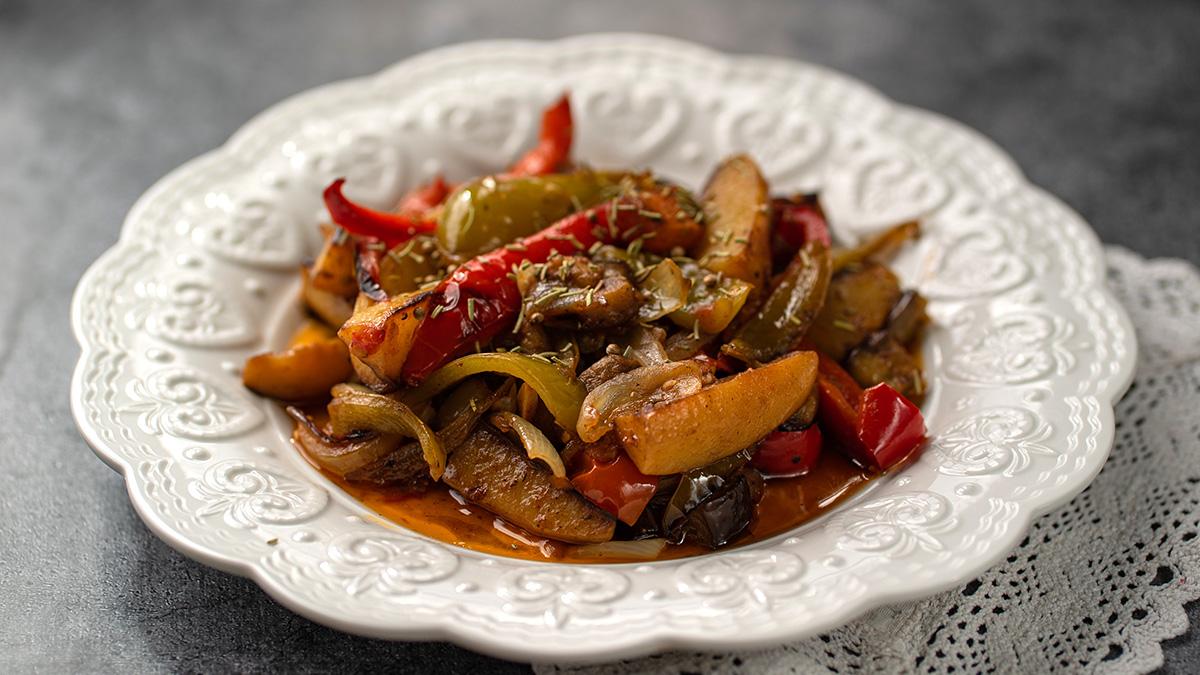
<point>441,513</point>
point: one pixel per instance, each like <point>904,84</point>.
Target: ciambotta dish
<point>587,349</point>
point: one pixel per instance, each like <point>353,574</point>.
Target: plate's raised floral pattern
<point>1027,357</point>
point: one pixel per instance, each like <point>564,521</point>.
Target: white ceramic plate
<point>1029,353</point>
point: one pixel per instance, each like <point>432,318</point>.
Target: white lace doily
<point>1097,584</point>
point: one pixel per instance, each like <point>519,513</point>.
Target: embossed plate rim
<point>504,606</point>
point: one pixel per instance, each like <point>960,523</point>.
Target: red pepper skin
<point>367,254</point>
<point>795,223</point>
<point>391,228</point>
<point>617,486</point>
<point>877,427</point>
<point>424,197</point>
<point>455,324</point>
<point>890,426</point>
<point>554,142</point>
<point>788,453</point>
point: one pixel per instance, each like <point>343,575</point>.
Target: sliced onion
<point>595,416</point>
<point>527,401</point>
<point>559,390</point>
<point>356,409</point>
<point>645,346</point>
<point>666,289</point>
<point>537,446</point>
<point>341,456</point>
<point>642,549</point>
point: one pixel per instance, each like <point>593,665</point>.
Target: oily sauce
<point>443,514</point>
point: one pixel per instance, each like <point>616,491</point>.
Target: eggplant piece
<point>605,369</point>
<point>405,467</point>
<point>491,471</point>
<point>908,317</point>
<point>859,302</point>
<point>883,359</point>
<point>713,504</point>
<point>575,293</point>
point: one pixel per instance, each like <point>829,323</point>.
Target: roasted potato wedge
<point>333,270</point>
<point>859,302</point>
<point>694,431</point>
<point>380,335</point>
<point>303,372</point>
<point>492,471</point>
<point>332,308</point>
<point>737,241</point>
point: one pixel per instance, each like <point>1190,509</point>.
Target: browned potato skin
<point>676,227</point>
<point>859,301</point>
<point>737,241</point>
<point>333,270</point>
<point>301,373</point>
<point>492,472</point>
<point>380,335</point>
<point>333,309</point>
<point>717,421</point>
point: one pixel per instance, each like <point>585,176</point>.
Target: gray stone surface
<point>1098,101</point>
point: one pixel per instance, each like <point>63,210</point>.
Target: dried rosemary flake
<point>471,308</point>
<point>520,320</point>
<point>844,325</point>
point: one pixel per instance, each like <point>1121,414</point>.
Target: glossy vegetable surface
<point>788,312</point>
<point>788,453</point>
<point>877,427</point>
<point>300,373</point>
<point>558,389</point>
<point>695,430</point>
<point>490,471</point>
<point>391,228</point>
<point>479,300</point>
<point>615,485</point>
<point>490,212</point>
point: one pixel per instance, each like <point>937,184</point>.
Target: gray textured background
<point>1098,101</point>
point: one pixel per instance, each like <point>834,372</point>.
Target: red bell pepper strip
<point>424,197</point>
<point>788,453</point>
<point>554,143</point>
<point>878,427</point>
<point>617,486</point>
<point>795,223</point>
<point>891,426</point>
<point>480,299</point>
<point>391,228</point>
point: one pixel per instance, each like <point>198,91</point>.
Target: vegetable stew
<point>553,362</point>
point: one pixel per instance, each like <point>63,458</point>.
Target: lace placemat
<point>1098,584</point>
